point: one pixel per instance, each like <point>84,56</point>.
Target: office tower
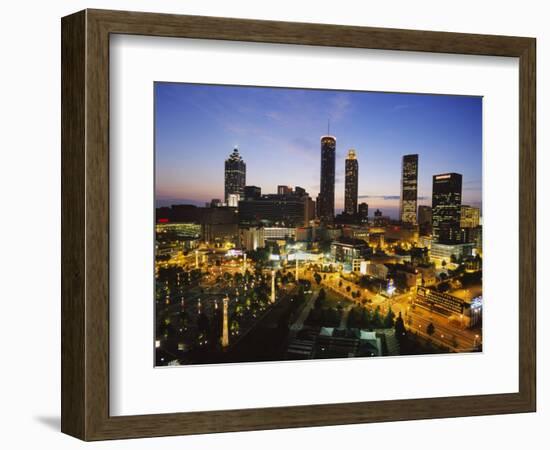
<point>309,206</point>
<point>425,220</point>
<point>351,182</point>
<point>424,215</point>
<point>409,189</point>
<point>379,219</point>
<point>295,208</point>
<point>446,205</point>
<point>469,216</point>
<point>363,213</point>
<point>235,176</point>
<point>326,194</point>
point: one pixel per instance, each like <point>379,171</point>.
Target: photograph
<point>304,224</point>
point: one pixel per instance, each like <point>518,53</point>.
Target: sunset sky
<point>278,134</point>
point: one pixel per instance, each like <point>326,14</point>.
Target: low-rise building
<point>379,271</point>
<point>251,238</point>
<point>279,233</point>
<point>450,252</point>
<point>346,250</point>
<point>428,275</point>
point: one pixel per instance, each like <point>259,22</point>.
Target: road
<point>304,313</point>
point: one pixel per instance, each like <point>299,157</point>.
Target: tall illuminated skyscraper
<point>328,165</point>
<point>446,205</point>
<point>409,189</point>
<point>235,177</point>
<point>351,183</point>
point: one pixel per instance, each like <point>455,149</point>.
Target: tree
<point>430,329</point>
<point>340,283</point>
<point>388,320</point>
<point>203,324</point>
<point>320,298</point>
<point>366,318</point>
<point>376,318</point>
<point>443,263</point>
<point>354,318</point>
<point>317,278</point>
<point>348,289</point>
<point>400,331</point>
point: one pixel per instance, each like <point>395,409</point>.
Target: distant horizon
<point>277,131</point>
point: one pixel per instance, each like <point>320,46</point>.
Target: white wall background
<point>30,220</point>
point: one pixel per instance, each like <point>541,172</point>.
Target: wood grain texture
<point>85,224</point>
<point>73,226</point>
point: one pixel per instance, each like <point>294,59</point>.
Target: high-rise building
<point>409,189</point>
<point>294,208</point>
<point>424,215</point>
<point>351,183</point>
<point>469,216</point>
<point>379,219</point>
<point>363,213</point>
<point>446,205</point>
<point>309,206</point>
<point>328,166</point>
<point>235,176</point>
<point>424,219</point>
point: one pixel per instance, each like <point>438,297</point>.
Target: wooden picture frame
<point>85,224</point>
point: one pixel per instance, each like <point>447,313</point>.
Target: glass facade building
<point>328,165</point>
<point>351,183</point>
<point>409,189</point>
<point>446,206</point>
<point>235,176</point>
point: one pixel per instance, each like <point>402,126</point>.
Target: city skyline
<point>191,128</point>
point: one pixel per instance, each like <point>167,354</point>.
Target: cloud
<point>389,197</point>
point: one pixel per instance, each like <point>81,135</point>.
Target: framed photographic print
<point>270,224</point>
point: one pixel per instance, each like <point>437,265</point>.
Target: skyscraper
<point>446,205</point>
<point>326,194</point>
<point>424,215</point>
<point>424,220</point>
<point>352,177</point>
<point>235,176</point>
<point>363,213</point>
<point>409,189</point>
